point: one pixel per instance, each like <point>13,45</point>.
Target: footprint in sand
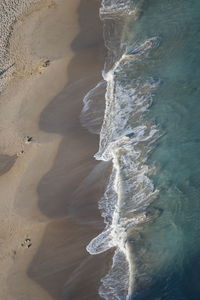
<point>28,139</point>
<point>26,243</point>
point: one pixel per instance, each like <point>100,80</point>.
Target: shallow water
<point>151,206</point>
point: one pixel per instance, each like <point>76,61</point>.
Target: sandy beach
<point>50,183</point>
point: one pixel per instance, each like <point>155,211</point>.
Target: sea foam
<point>116,8</point>
<point>126,139</point>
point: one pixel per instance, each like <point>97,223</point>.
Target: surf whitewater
<point>126,138</point>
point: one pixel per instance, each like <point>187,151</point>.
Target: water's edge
<point>126,139</point>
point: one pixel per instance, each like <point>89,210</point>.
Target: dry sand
<point>49,187</point>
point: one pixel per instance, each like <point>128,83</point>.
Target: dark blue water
<point>168,249</point>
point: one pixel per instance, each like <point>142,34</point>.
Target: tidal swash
<point>150,130</point>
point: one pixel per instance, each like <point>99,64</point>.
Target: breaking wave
<point>116,9</point>
<point>126,138</point>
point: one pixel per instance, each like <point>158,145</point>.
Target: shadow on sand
<point>61,265</point>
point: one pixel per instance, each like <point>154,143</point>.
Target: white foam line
<point>115,146</point>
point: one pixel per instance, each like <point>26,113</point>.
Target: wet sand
<point>50,184</point>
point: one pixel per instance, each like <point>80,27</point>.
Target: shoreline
<point>44,208</point>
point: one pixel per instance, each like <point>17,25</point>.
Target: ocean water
<point>150,130</point>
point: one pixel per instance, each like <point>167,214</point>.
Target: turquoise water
<point>168,249</point>
<point>151,133</point>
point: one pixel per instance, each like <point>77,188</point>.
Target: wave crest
<point>126,139</point>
